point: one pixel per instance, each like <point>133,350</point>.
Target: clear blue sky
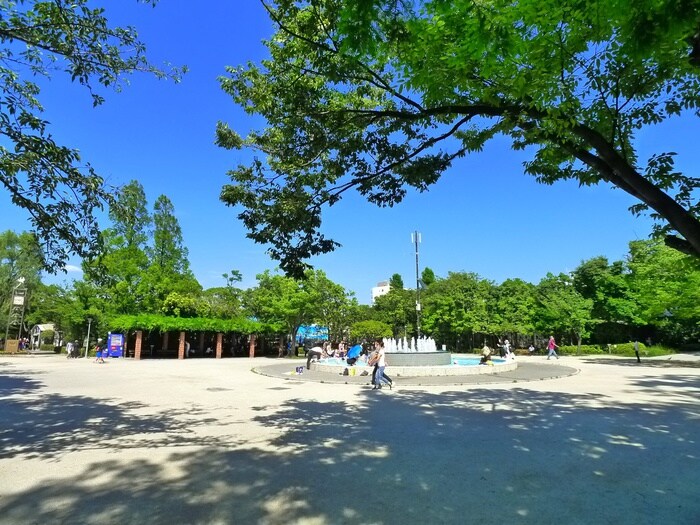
<point>484,216</point>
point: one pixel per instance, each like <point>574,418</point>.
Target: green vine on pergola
<point>162,323</point>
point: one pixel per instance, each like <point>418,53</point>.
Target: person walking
<point>100,350</point>
<point>551,347</point>
<point>380,365</point>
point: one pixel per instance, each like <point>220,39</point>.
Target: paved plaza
<point>239,441</point>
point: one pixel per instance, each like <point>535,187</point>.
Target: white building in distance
<point>382,288</point>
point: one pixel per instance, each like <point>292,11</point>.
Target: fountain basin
<point>418,358</point>
<point>464,366</point>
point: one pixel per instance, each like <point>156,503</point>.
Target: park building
<point>382,288</point>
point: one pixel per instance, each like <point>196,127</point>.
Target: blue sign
<point>314,332</point>
<point>115,345</point>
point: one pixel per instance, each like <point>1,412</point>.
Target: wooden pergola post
<point>164,347</point>
<point>219,344</point>
<point>251,348</point>
<point>137,346</point>
<point>181,346</point>
<point>201,342</point>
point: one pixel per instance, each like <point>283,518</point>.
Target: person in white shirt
<point>313,355</point>
<point>380,359</point>
<point>506,347</point>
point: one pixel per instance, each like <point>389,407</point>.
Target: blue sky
<point>484,216</point>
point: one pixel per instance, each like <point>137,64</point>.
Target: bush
<point>620,349</point>
<point>585,350</point>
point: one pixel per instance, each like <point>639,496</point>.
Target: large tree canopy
<point>49,180</point>
<point>381,96</point>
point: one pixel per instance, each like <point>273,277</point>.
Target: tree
<point>396,282</point>
<point>89,302</point>
<point>335,307</point>
<point>129,215</point>
<point>397,308</point>
<point>281,301</point>
<point>20,257</point>
<point>168,251</point>
<point>168,269</point>
<point>370,330</point>
<point>515,304</point>
<point>427,277</point>
<point>119,269</point>
<point>560,308</point>
<point>178,305</point>
<point>381,96</point>
<point>59,191</point>
<point>615,308</point>
<point>52,304</point>
<point>457,307</point>
<point>666,285</point>
<point>225,302</point>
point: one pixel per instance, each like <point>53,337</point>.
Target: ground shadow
<point>479,456</point>
<point>646,363</point>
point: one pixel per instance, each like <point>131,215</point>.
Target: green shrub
<point>620,349</point>
<point>656,350</point>
<point>585,350</point>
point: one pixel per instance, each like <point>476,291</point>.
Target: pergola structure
<point>139,323</point>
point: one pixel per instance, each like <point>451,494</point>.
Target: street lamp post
<point>87,341</point>
<point>16,299</point>
<point>415,237</point>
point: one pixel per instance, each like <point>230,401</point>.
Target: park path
<point>207,441</point>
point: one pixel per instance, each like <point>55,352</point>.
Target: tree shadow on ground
<point>12,384</point>
<point>656,363</point>
<point>478,456</point>
<point>47,426</point>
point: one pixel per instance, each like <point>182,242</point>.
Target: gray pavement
<point>528,370</point>
<point>212,442</point>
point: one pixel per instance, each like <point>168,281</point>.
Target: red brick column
<point>251,348</point>
<point>181,346</point>
<point>219,344</point>
<point>137,347</point>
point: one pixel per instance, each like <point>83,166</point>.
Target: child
<point>99,351</point>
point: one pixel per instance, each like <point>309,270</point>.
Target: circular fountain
<point>418,358</point>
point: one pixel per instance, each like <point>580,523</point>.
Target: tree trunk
<point>616,169</point>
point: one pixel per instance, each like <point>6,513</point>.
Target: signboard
<point>18,299</point>
<point>12,346</point>
<point>115,345</point>
<point>312,332</point>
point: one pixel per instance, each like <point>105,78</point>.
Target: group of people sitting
<point>356,356</point>
<point>504,350</point>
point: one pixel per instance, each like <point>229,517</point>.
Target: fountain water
<point>422,344</point>
<point>416,352</point>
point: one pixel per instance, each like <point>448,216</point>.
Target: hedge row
<point>623,349</point>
